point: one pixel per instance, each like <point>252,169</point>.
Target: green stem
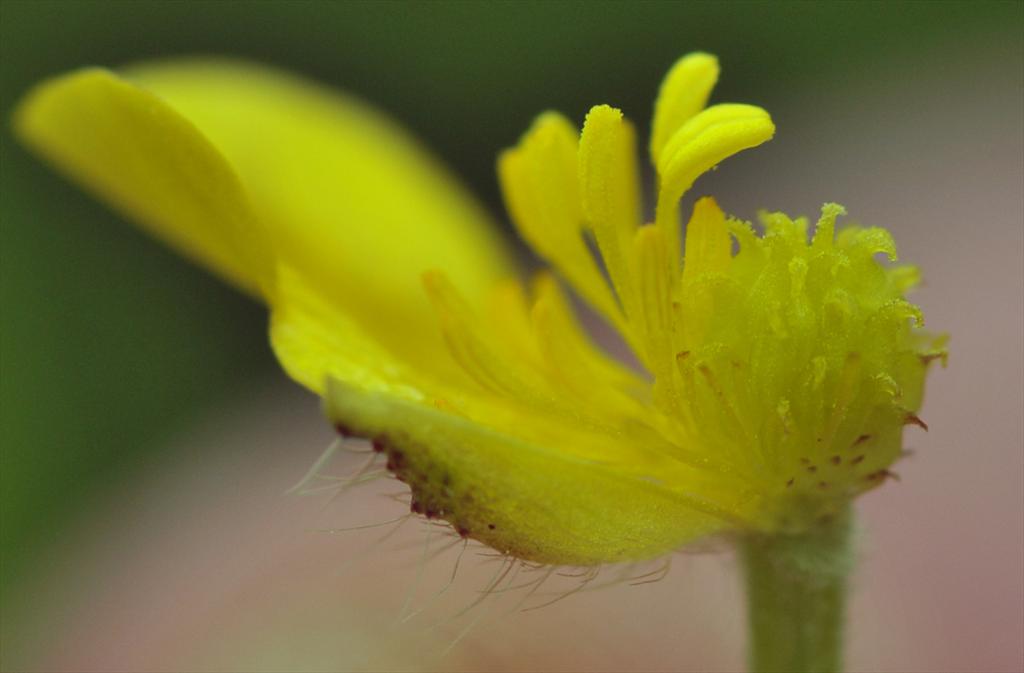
<point>796,594</point>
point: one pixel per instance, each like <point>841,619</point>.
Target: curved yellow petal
<point>316,342</point>
<point>684,92</point>
<point>256,173</point>
<point>140,155</point>
<point>352,202</point>
<point>348,196</point>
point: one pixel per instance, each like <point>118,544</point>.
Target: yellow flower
<point>776,380</point>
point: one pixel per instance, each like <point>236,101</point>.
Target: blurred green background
<point>110,342</point>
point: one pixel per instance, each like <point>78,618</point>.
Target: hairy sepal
<point>531,502</point>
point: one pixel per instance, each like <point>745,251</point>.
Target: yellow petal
<point>684,92</point>
<point>315,342</point>
<point>250,170</point>
<point>137,153</point>
<point>535,503</point>
<point>352,201</point>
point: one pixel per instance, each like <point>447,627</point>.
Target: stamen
<point>684,92</point>
<point>540,183</point>
<point>609,188</point>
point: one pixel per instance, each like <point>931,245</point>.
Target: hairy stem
<point>796,596</point>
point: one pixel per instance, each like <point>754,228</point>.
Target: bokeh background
<point>148,436</point>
